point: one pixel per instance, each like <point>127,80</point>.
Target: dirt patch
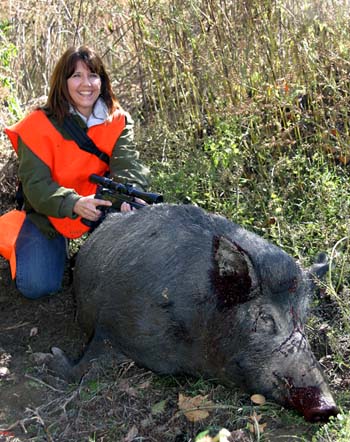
<point>28,327</point>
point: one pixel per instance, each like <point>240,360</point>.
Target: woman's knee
<point>34,289</point>
<point>40,262</point>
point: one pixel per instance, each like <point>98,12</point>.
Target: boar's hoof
<point>61,365</point>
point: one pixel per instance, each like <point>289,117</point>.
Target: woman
<point>54,171</point>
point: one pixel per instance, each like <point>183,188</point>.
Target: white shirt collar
<point>99,113</point>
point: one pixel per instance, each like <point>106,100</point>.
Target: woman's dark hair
<point>58,101</point>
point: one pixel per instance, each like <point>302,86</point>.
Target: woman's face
<point>84,88</point>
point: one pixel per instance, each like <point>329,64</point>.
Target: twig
<point>43,383</point>
<point>39,419</point>
<point>13,327</point>
<point>69,399</point>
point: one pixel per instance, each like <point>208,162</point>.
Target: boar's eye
<point>265,322</point>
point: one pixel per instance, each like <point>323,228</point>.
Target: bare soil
<point>112,403</point>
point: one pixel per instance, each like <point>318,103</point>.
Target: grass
<point>337,430</point>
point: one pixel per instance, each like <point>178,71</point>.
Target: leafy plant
<point>337,430</point>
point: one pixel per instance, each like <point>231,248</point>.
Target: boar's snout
<point>321,414</point>
<point>314,406</point>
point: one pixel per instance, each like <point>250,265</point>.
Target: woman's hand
<point>86,207</point>
<point>125,207</point>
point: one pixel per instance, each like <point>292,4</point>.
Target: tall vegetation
<point>241,107</point>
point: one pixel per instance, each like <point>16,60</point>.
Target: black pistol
<point>117,193</point>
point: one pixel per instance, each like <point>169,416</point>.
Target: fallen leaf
<point>222,436</point>
<point>214,435</point>
<point>344,159</point>
<point>253,428</point>
<point>132,433</point>
<point>159,407</point>
<point>145,384</point>
<point>255,417</point>
<point>33,332</point>
<point>147,422</point>
<point>194,408</point>
<point>258,399</point>
<point>125,387</point>
<point>4,371</point>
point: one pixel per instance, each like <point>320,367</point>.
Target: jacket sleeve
<point>125,165</point>
<point>42,194</point>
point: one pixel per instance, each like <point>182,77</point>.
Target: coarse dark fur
<point>179,290</point>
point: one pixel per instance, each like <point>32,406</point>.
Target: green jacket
<point>43,196</point>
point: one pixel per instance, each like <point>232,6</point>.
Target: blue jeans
<point>40,262</point>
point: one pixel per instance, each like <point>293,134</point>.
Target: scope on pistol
<point>126,189</point>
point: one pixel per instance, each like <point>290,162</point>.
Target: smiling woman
<point>54,168</point>
<point>84,88</point>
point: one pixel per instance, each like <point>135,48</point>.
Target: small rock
<point>4,371</point>
<point>42,358</point>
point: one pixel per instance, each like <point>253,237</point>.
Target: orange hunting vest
<point>70,166</point>
<point>10,226</point>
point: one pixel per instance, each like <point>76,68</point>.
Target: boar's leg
<point>98,348</point>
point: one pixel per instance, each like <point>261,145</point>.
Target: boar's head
<point>262,298</point>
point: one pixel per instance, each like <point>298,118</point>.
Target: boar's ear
<point>320,267</point>
<point>233,276</point>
